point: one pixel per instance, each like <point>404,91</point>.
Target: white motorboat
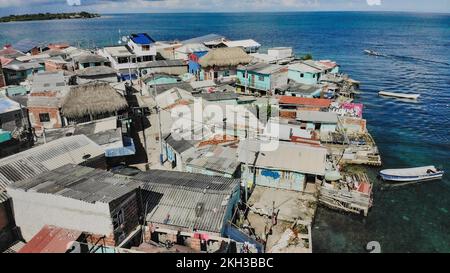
<point>412,174</point>
<point>399,95</point>
<point>372,52</point>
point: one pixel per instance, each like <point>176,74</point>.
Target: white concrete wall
<point>137,49</point>
<point>34,210</point>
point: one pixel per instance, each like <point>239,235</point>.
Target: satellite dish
<point>124,39</point>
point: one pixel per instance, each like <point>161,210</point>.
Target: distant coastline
<point>48,16</point>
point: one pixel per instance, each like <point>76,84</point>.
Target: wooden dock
<point>344,196</point>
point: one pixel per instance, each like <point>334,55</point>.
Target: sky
<point>151,6</point>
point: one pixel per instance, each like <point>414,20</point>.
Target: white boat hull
<point>412,174</point>
<point>399,95</point>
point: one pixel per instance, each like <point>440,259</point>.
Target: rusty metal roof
<point>51,239</point>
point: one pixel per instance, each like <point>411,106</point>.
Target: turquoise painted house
<point>261,77</point>
<point>16,90</point>
<point>90,60</point>
<point>159,79</point>
<point>303,73</point>
<point>17,72</point>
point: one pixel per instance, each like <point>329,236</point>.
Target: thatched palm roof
<point>92,99</point>
<point>228,56</point>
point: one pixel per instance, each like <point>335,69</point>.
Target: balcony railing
<point>255,85</point>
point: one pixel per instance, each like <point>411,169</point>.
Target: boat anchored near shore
<point>399,95</point>
<point>412,174</point>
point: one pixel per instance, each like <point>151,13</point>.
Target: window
<point>122,60</point>
<point>314,76</point>
<point>118,219</point>
<point>302,75</point>
<point>98,64</point>
<point>261,78</point>
<point>86,65</point>
<point>146,48</point>
<point>147,58</point>
<point>226,73</point>
<point>44,117</point>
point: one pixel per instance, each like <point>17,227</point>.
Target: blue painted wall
<point>13,77</point>
<point>286,180</point>
<point>303,77</point>
<point>232,203</point>
<point>254,80</point>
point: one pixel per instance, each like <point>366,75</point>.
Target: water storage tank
<point>4,136</point>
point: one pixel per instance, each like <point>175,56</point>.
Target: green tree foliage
<point>307,57</point>
<point>48,16</point>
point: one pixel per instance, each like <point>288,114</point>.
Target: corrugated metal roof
<point>179,145</point>
<point>186,200</point>
<point>243,43</point>
<point>15,247</point>
<point>18,66</point>
<point>302,67</point>
<point>3,197</point>
<point>263,68</point>
<point>161,88</point>
<point>89,58</point>
<point>203,84</point>
<point>49,81</point>
<point>287,156</point>
<point>217,96</point>
<point>80,183</point>
<point>192,48</point>
<point>204,39</point>
<point>165,63</point>
<point>95,71</point>
<point>32,162</point>
<point>215,158</point>
<point>8,105</point>
<point>51,239</point>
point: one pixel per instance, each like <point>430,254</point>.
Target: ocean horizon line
<point>274,12</point>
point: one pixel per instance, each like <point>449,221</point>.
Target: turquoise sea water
<point>407,219</point>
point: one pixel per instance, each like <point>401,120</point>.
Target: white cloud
<point>74,2</point>
<point>374,2</point>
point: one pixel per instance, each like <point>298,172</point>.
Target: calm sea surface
<point>406,219</point>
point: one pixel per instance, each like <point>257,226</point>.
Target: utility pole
<point>246,80</point>
<point>43,134</point>
<point>161,156</point>
<point>129,70</point>
<point>161,148</point>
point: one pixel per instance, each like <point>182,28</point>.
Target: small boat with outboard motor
<point>399,95</point>
<point>372,52</point>
<point>412,174</point>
